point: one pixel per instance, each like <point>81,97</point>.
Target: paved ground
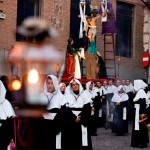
<point>109,141</point>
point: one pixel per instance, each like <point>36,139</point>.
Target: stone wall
<point>57,13</point>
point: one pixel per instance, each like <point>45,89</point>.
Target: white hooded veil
<point>73,100</point>
<point>88,85</point>
<point>60,85</point>
<point>120,98</point>
<point>80,86</point>
<point>52,100</point>
<point>139,86</point>
<point>46,94</point>
<point>6,110</point>
<point>88,93</point>
<point>121,87</point>
<point>55,82</point>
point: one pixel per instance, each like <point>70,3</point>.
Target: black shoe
<point>134,145</point>
<point>142,146</point>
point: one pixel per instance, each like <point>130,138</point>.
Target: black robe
<point>120,126</point>
<point>31,133</point>
<point>6,133</point>
<point>130,106</point>
<point>102,68</point>
<point>97,101</point>
<point>148,114</point>
<point>71,130</point>
<point>140,137</point>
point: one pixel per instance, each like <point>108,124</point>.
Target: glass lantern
<point>35,58</point>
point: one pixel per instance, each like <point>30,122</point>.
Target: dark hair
<point>84,32</point>
<point>98,81</point>
<point>70,40</point>
<point>148,87</point>
<point>5,80</point>
<point>92,82</point>
<point>145,80</point>
<point>49,78</point>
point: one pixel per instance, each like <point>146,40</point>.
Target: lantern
<point>35,58</point>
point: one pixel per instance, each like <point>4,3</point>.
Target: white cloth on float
<point>83,18</point>
<point>77,73</point>
<point>104,8</point>
<point>81,53</point>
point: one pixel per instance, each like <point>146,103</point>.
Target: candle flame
<point>16,85</point>
<point>33,76</point>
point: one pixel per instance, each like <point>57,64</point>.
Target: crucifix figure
<point>91,25</point>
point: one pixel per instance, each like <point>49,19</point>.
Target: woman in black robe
<point>75,132</point>
<point>139,131</point>
<point>120,122</point>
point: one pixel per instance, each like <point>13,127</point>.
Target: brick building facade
<point>57,13</point>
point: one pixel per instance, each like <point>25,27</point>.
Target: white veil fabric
<point>139,84</point>
<point>55,82</point>
<point>88,85</point>
<point>121,87</point>
<point>54,99</point>
<point>59,86</point>
<point>80,86</point>
<point>83,19</point>
<point>139,87</point>
<point>104,19</point>
<point>6,109</point>
<point>77,101</point>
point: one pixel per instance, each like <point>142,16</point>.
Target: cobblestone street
<point>109,141</point>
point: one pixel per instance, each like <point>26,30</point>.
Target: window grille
<point>124,18</point>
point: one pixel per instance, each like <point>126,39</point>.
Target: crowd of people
<point>74,112</point>
<point>71,113</point>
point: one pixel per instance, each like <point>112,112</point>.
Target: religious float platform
<point>82,80</point>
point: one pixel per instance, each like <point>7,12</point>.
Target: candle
<point>33,87</point>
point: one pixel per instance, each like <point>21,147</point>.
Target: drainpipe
<point>148,13</point>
